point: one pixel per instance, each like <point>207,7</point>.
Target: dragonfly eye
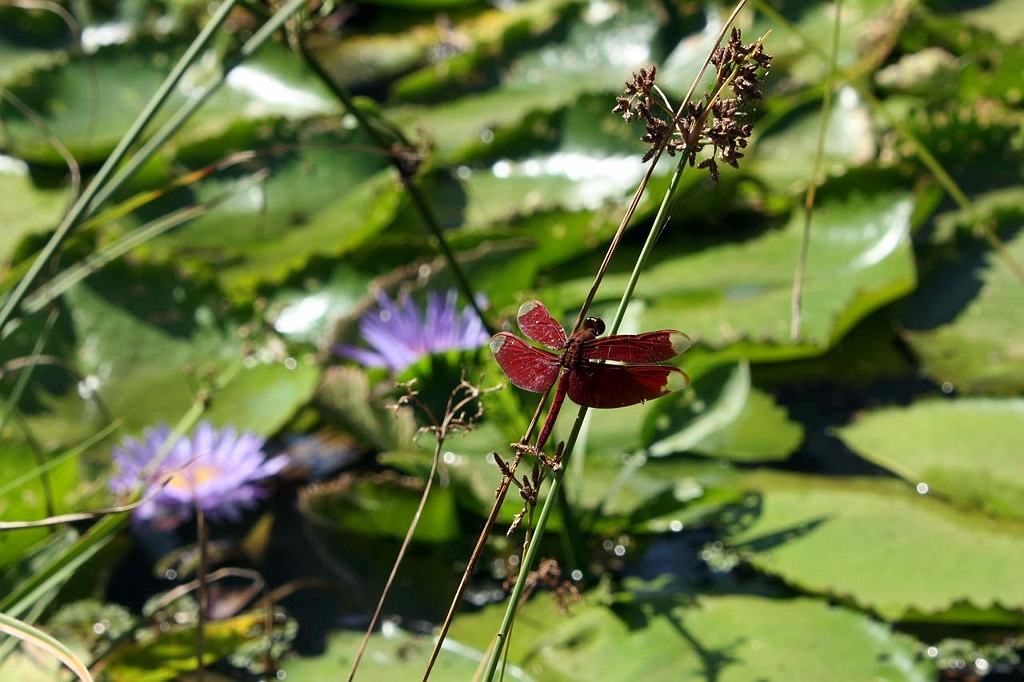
<point>595,324</point>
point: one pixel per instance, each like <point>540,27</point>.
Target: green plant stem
<point>660,221</point>
<point>95,261</point>
<point>927,159</point>
<point>86,201</point>
<point>11,403</point>
<point>662,212</point>
<point>812,186</point>
<point>667,202</point>
<point>185,112</point>
<point>555,490</point>
<point>530,559</point>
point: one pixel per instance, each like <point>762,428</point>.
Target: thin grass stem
<point>95,261</point>
<point>481,540</point>
<point>58,570</point>
<point>659,222</point>
<point>415,194</point>
<point>812,186</point>
<point>178,119</point>
<point>453,411</point>
<point>85,202</point>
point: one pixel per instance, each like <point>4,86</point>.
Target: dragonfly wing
<point>621,385</point>
<point>639,348</point>
<point>529,368</point>
<point>536,323</point>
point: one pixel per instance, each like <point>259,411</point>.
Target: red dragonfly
<point>589,383</point>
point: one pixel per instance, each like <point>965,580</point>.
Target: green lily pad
<point>173,651</point>
<point>137,352</point>
<point>966,450</point>
<point>542,240</point>
<point>931,72</point>
<point>29,40</point>
<point>433,59</point>
<point>763,432</point>
<point>878,545</point>
<point>26,209</point>
<point>964,322</point>
<point>712,404</point>
<point>324,198</point>
<point>802,36</point>
<point>860,259</point>
<point>987,134</point>
<point>392,654</point>
<point>675,635</point>
<point>599,51</point>
<point>89,106</point>
<point>785,153</point>
<point>24,494</point>
<point>723,416</point>
<point>870,353</point>
<point>1001,17</point>
<point>648,495</point>
<point>615,491</point>
<point>578,160</point>
<point>346,399</point>
<point>49,377</point>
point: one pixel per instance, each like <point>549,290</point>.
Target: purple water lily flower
<point>220,471</point>
<point>400,334</point>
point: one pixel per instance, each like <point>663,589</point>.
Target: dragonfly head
<point>595,325</point>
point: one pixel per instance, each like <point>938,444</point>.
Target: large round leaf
<point>881,546</point>
<point>672,635</point>
<point>967,450</point>
<point>26,209</point>
<point>722,415</point>
<point>965,321</point>
<point>25,492</point>
<point>88,104</point>
<point>138,352</point>
<point>859,260</point>
<point>598,50</point>
<point>325,195</point>
<point>392,654</point>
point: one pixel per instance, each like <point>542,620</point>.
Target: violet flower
<point>400,334</point>
<point>219,471</point>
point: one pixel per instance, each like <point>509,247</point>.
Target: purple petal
<point>221,471</point>
<point>400,334</point>
<point>364,357</point>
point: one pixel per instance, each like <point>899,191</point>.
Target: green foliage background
<point>825,505</point>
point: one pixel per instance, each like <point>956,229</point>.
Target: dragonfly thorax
<point>573,357</point>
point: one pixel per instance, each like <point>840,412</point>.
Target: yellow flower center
<point>192,476</point>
